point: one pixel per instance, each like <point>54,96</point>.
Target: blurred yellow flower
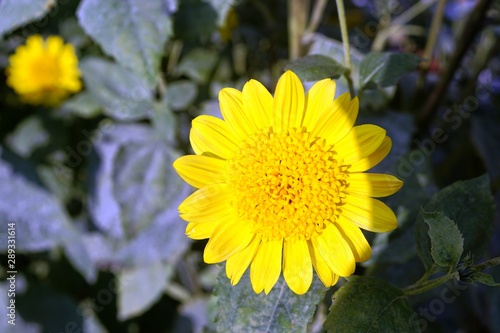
<point>282,185</point>
<point>44,71</point>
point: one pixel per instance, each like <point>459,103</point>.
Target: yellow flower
<point>44,71</point>
<point>282,185</point>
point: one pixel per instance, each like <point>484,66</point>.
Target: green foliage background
<point>92,192</point>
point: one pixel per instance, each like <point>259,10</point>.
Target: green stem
<point>345,43</point>
<point>488,263</point>
<point>421,287</point>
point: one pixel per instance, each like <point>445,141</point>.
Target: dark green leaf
<point>14,14</point>
<point>334,49</point>
<point>56,311</point>
<point>386,68</point>
<point>483,278</point>
<point>447,243</point>
<point>369,305</point>
<point>241,310</point>
<point>316,67</point>
<point>123,94</point>
<point>470,205</point>
<point>134,32</point>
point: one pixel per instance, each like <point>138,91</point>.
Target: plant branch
<point>472,27</point>
<point>297,17</point>
<point>421,287</point>
<point>345,43</point>
<point>488,263</point>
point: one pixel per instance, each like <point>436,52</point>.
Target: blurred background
<point>89,182</point>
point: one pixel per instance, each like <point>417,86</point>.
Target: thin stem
<point>434,32</point>
<point>473,26</point>
<point>488,263</point>
<point>399,22</point>
<point>345,43</point>
<point>297,17</point>
<point>317,14</point>
<point>421,287</point>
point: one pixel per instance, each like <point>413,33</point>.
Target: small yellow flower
<point>44,71</point>
<point>281,184</point>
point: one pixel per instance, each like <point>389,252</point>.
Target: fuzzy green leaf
<point>447,243</point>
<point>122,93</point>
<point>316,67</point>
<point>241,310</point>
<point>14,14</point>
<point>470,205</point>
<point>386,68</point>
<point>133,32</point>
<point>369,305</point>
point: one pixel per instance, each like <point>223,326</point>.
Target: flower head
<point>44,71</point>
<point>281,184</point>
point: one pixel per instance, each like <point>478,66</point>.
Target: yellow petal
<point>369,214</point>
<point>318,99</point>
<point>54,45</point>
<point>359,143</point>
<point>355,238</point>
<point>204,198</point>
<point>211,135</point>
<point>335,251</point>
<point>373,184</point>
<point>229,237</point>
<point>237,264</point>
<point>241,123</point>
<point>288,103</point>
<point>200,170</point>
<point>201,230</point>
<point>258,102</point>
<point>297,266</point>
<point>325,274</point>
<point>208,204</point>
<point>374,158</point>
<point>266,266</point>
<point>336,121</point>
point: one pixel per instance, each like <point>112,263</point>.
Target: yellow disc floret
<point>287,185</point>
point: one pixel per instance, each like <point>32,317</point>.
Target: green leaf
<point>140,287</point>
<point>316,67</point>
<point>383,69</point>
<point>180,94</point>
<point>482,278</point>
<point>133,32</point>
<point>447,243</point>
<point>83,105</point>
<point>369,305</point>
<point>29,135</point>
<point>241,310</point>
<point>470,205</point>
<point>14,14</point>
<point>334,49</point>
<point>122,93</point>
<point>197,65</point>
<point>40,220</point>
<point>134,196</point>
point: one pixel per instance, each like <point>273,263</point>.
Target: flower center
<point>288,185</point>
<point>45,72</point>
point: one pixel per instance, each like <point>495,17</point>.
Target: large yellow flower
<point>281,184</point>
<point>44,71</point>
